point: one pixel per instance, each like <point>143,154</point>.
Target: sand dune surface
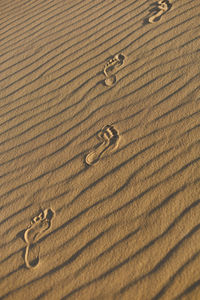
<point>100,149</point>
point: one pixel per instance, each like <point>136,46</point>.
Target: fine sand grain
<point>99,149</point>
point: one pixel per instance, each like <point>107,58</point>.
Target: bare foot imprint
<point>163,7</point>
<point>39,225</point>
<point>109,69</point>
<point>110,138</point>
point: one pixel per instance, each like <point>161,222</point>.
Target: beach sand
<point>99,150</point>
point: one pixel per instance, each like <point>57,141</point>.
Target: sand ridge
<point>99,149</point>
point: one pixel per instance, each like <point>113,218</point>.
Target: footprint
<point>163,7</point>
<point>115,63</point>
<point>39,225</point>
<point>111,66</point>
<point>110,138</point>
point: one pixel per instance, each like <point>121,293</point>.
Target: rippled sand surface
<point>99,149</point>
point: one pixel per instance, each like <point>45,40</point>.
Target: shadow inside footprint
<point>109,137</point>
<point>49,214</point>
<point>38,227</point>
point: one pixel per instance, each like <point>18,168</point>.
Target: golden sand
<point>100,149</point>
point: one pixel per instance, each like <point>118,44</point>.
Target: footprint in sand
<point>38,227</point>
<point>110,138</point>
<point>111,66</point>
<point>163,7</point>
